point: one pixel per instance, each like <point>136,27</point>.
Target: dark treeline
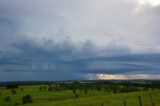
<point>115,86</point>
<point>15,84</point>
<point>138,83</point>
<point>109,86</point>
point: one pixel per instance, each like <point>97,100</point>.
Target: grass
<point>66,98</point>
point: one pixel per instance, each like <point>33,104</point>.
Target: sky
<point>79,39</point>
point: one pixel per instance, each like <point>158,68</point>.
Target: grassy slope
<point>65,98</point>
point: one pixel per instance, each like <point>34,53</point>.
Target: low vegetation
<point>81,93</point>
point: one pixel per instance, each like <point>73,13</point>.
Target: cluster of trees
<point>25,99</point>
<point>42,88</point>
<point>84,87</point>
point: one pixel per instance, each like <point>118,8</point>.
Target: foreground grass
<point>66,98</point>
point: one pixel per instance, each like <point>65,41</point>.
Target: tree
<point>22,89</point>
<point>40,88</point>
<point>50,88</point>
<point>44,88</point>
<point>27,99</point>
<point>13,91</point>
<point>74,90</point>
<point>86,91</point>
<point>6,99</point>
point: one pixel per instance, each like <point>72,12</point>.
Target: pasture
<point>93,97</point>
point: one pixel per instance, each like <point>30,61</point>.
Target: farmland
<point>80,94</point>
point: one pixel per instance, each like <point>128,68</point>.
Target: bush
<point>102,104</point>
<point>16,104</point>
<point>7,99</point>
<point>27,99</point>
<point>76,95</point>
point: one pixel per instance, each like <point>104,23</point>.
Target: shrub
<point>50,99</point>
<point>16,104</point>
<point>7,99</point>
<point>102,104</point>
<point>76,95</point>
<point>27,99</point>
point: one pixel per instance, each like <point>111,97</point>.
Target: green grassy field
<point>66,98</point>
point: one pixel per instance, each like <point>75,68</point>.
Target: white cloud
<point>152,2</point>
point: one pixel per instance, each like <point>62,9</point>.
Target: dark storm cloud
<point>58,40</point>
<point>38,60</point>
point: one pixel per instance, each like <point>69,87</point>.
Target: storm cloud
<point>71,39</point>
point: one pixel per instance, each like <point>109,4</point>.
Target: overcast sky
<point>79,39</point>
